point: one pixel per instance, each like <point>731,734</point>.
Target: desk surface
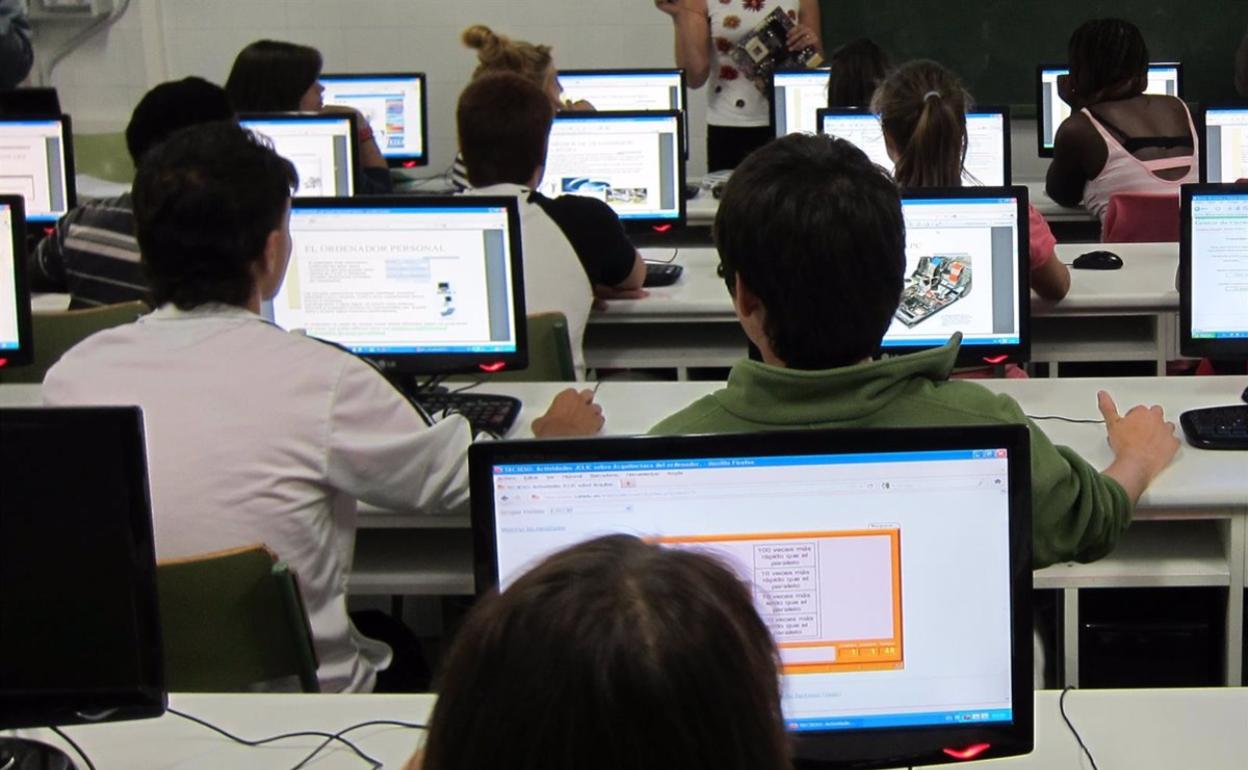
<point>1138,729</point>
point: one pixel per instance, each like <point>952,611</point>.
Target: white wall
<point>162,39</point>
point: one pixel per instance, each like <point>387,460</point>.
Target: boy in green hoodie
<point>812,241</point>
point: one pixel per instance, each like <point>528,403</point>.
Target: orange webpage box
<point>832,599</point>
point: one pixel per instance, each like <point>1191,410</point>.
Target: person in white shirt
<point>255,435</point>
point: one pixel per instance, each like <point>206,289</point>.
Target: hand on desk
<point>572,414</point>
<point>1143,441</point>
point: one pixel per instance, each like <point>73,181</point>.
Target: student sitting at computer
<point>92,253</point>
<point>1118,139</point>
<point>276,76</point>
<point>854,71</point>
<point>612,654</point>
<point>922,108</point>
<point>812,241</point>
<point>255,435</point>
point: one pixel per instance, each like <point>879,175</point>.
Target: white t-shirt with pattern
<point>732,99</point>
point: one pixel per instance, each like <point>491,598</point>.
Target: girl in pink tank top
<point>1123,172</point>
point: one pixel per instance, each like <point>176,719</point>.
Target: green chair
<point>57,331</point>
<point>550,352</point>
<point>104,156</point>
<point>231,620</point>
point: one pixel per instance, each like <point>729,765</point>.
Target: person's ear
<point>746,301</point>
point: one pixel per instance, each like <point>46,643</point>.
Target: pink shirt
<point>1042,240</point>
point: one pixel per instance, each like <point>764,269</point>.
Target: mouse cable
<point>338,735</point>
<point>1061,706</point>
<point>1078,420</point>
<point>77,749</point>
<point>282,737</point>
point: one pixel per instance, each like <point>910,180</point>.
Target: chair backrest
<point>104,156</point>
<point>1141,218</point>
<point>231,620</point>
<point>550,352</point>
<point>56,331</point>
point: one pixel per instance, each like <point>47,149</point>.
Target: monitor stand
<point>24,754</point>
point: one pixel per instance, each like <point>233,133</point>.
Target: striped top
<point>92,254</point>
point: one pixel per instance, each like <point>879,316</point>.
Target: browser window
<point>1226,144</point>
<point>985,163</point>
<point>33,164</point>
<point>319,148</point>
<point>1219,266</point>
<point>798,97</point>
<point>392,105</point>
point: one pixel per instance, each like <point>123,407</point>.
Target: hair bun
<point>481,38</point>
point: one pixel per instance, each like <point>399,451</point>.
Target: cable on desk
<point>338,736</point>
<point>1061,706</point>
<point>77,749</point>
<point>469,386</point>
<point>1078,420</point>
<point>376,765</point>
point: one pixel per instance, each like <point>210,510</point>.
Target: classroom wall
<point>162,39</point>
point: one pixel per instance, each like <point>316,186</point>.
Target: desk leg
<point>1236,539</point>
<point>1070,637</point>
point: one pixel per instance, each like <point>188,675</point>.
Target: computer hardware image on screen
<point>937,282</point>
<point>321,147</point>
<point>394,106</point>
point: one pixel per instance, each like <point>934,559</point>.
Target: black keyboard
<point>492,414</point>
<point>662,274</point>
<point>1218,427</point>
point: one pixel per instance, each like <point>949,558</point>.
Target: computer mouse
<point>1097,260</point>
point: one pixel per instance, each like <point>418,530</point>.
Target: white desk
<point>1109,315</point>
<point>1139,729</point>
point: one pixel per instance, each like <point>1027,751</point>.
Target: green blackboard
<point>995,45</point>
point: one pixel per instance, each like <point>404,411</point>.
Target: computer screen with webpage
<point>796,96</point>
<point>394,106</point>
<point>400,277</point>
<point>322,148</point>
<point>36,163</point>
<point>987,138</point>
<point>11,235</point>
<point>1163,80</point>
<point>1218,258</point>
<point>858,561</point>
<point>1225,148</point>
<point>616,90</point>
<point>629,160</point>
<point>963,271</point>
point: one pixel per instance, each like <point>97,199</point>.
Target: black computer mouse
<point>1097,260</point>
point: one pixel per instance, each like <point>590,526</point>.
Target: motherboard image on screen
<point>937,282</point>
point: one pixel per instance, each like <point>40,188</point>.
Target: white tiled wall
<point>162,39</point>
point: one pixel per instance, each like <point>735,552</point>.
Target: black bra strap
<point>1133,143</point>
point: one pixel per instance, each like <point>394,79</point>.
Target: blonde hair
<point>922,107</point>
<point>499,53</point>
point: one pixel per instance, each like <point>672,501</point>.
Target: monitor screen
<point>78,611</point>
<point>1164,79</point>
<point>857,545</point>
<point>422,285</point>
<point>322,147</point>
<point>966,271</point>
<point>1213,271</point>
<point>1225,148</point>
<point>16,346</point>
<point>630,160</point>
<point>616,90</point>
<point>796,96</point>
<point>987,141</point>
<point>36,162</point>
<point>394,106</point>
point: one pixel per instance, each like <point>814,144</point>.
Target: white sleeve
<point>380,451</point>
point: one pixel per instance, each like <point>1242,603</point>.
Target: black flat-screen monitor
<point>1213,271</point>
<point>893,566</point>
<point>322,147</point>
<point>1224,143</point>
<point>629,89</point>
<point>1164,79</point>
<point>395,106</point>
<point>966,271</point>
<point>16,345</point>
<point>987,161</point>
<point>79,625</point>
<point>631,160</point>
<point>420,285</point>
<point>796,98</point>
<point>38,164</point>
<point>30,101</point>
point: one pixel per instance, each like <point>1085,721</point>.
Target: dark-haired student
<point>276,76</point>
<point>616,655</point>
<point>812,240</point>
<point>922,108</point>
<point>1118,139</point>
<point>854,71</point>
<point>255,435</point>
<point>92,253</point>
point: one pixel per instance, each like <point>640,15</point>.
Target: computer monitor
<point>796,96</point>
<point>37,163</point>
<point>1164,78</point>
<point>1224,145</point>
<point>892,566</point>
<point>322,147</point>
<point>1213,271</point>
<point>79,625</point>
<point>966,271</point>
<point>420,285</point>
<point>394,104</point>
<point>631,160</point>
<point>43,102</point>
<point>16,344</point>
<point>987,136</point>
<point>629,89</point>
